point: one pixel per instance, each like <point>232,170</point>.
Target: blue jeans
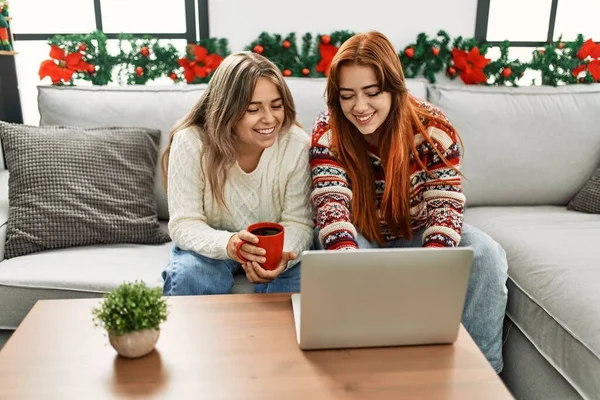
<point>485,304</point>
<point>189,273</point>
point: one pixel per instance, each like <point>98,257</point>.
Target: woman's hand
<point>257,274</point>
<point>249,251</point>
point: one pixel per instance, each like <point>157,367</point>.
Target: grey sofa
<point>527,153</point>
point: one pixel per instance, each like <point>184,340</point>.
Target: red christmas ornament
<point>287,72</point>
<point>410,52</point>
<point>286,44</point>
<point>305,71</point>
<point>173,76</point>
<point>139,71</point>
<point>91,69</point>
<point>542,51</point>
<point>326,39</point>
<point>451,71</point>
<point>435,51</point>
<point>144,51</point>
<point>258,49</point>
<point>506,72</point>
<point>82,47</point>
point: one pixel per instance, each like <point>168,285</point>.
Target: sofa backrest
<point>527,145</point>
<point>2,166</point>
<point>136,106</point>
<point>160,107</point>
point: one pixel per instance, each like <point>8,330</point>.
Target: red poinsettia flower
<point>592,50</point>
<point>327,51</point>
<point>470,65</point>
<point>62,67</point>
<point>198,63</point>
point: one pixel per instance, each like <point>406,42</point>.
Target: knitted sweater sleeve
<point>185,190</point>
<point>331,192</point>
<point>442,190</point>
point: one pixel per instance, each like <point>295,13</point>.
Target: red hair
<point>396,141</point>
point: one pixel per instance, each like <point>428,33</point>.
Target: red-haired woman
<point>385,173</point>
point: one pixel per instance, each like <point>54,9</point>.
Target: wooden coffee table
<point>227,347</point>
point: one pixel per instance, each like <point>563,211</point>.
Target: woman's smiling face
<point>363,102</point>
<point>264,117</point>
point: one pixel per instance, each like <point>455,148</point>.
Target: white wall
<point>241,21</point>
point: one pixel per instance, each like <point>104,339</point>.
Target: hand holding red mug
<point>259,250</point>
<point>247,244</point>
<point>257,274</point>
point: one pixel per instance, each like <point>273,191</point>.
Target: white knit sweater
<point>278,190</point>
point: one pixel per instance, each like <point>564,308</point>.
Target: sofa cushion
<point>588,198</point>
<point>154,107</point>
<point>76,187</point>
<point>3,197</point>
<point>554,277</point>
<point>2,165</point>
<point>3,209</point>
<point>80,272</point>
<point>526,145</point>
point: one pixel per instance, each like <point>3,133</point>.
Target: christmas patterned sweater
<point>436,202</point>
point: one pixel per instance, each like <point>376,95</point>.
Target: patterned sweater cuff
<point>440,236</point>
<point>343,246</point>
<point>338,235</point>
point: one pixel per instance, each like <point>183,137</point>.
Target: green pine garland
<point>426,57</point>
<point>505,71</point>
<point>143,59</point>
<point>307,59</point>
<point>281,50</point>
<point>4,44</point>
<point>557,61</point>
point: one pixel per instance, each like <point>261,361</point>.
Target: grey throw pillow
<point>588,198</point>
<point>71,186</point>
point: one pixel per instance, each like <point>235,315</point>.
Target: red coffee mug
<point>270,238</point>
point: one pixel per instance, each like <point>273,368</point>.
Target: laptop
<point>381,297</point>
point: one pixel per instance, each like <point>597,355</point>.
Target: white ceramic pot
<point>134,344</point>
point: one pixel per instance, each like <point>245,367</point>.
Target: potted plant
<point>132,314</point>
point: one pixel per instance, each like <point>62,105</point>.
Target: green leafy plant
<point>131,307</point>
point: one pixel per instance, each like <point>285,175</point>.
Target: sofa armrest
<point>3,210</point>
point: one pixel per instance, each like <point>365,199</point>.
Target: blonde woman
<point>236,159</point>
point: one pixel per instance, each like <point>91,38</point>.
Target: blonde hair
<point>221,106</point>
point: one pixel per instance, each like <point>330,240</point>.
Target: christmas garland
<point>460,57</point>
<point>4,39</point>
<point>143,59</point>
<point>559,62</point>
